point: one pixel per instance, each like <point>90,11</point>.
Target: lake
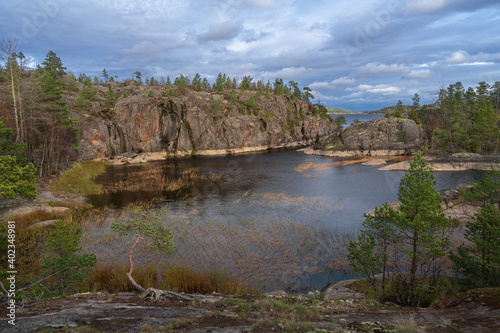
<point>349,117</point>
<point>278,219</point>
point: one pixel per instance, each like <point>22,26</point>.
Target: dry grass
<point>112,278</point>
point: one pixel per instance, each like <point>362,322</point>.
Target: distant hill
<point>340,111</point>
<point>391,109</point>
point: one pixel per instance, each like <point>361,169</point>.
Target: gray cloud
<point>221,31</point>
<point>353,57</point>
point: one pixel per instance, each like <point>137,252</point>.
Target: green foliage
<point>478,262</point>
<point>356,121</point>
<point>53,65</point>
<point>16,179</point>
<point>82,102</point>
<point>61,256</point>
<point>148,224</point>
<point>413,115</point>
<point>468,120</point>
<point>250,104</point>
<point>138,77</point>
<point>220,81</point>
<point>105,76</point>
<point>89,91</point>
<point>340,120</point>
<point>216,107</point>
<point>369,255</point>
<point>405,243</point>
<point>404,137</point>
<point>110,97</point>
<point>182,82</point>
<point>8,147</point>
<point>416,101</point>
<point>246,83</point>
<point>420,216</point>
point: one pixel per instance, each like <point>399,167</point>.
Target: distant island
<point>391,109</point>
<point>341,111</point>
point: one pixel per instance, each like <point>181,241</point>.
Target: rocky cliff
<point>129,118</point>
<point>383,136</point>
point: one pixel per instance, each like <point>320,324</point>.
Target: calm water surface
<point>277,179</point>
<point>274,218</point>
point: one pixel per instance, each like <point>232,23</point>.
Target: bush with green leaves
<point>17,177</point>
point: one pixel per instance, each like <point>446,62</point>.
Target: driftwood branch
<point>36,282</point>
<point>3,288</point>
<point>158,294</point>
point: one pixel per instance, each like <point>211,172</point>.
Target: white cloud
<point>457,57</point>
<point>418,74</point>
<point>324,85</point>
<point>462,57</point>
<point>382,69</point>
<point>289,73</point>
<point>383,89</point>
<point>424,6</point>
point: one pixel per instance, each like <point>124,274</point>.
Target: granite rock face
<point>146,119</point>
<point>383,136</point>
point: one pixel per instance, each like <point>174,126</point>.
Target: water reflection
<point>280,218</point>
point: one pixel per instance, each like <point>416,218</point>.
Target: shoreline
<point>354,153</point>
<point>136,158</point>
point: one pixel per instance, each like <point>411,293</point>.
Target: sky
<point>355,55</point>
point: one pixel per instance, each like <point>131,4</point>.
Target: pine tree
<point>416,233</point>
<point>53,64</point>
<point>478,263</point>
<point>420,219</point>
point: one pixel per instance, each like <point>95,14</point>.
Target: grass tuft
<point>79,179</point>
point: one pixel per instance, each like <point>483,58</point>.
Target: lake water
<point>278,219</point>
<point>349,117</point>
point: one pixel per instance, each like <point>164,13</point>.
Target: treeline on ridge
<point>36,114</point>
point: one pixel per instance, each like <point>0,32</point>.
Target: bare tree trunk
<point>9,48</point>
<point>14,99</point>
<point>137,286</point>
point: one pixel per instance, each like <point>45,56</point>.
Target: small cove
<point>279,219</point>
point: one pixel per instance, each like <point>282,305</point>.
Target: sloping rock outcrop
<point>383,136</point>
<point>455,162</point>
<point>172,121</point>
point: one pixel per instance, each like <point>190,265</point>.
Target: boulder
<point>382,136</point>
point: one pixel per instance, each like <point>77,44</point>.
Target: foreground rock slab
<point>475,311</point>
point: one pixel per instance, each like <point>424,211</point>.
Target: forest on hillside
<point>34,107</point>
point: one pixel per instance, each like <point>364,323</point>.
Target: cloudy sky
<point>357,55</point>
